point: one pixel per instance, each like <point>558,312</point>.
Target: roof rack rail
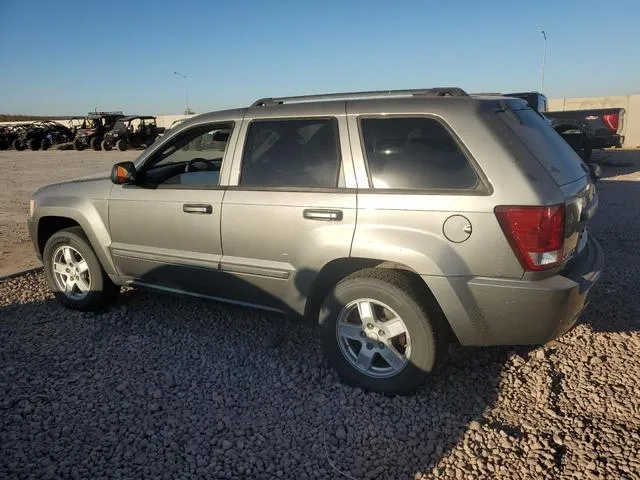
<point>418,92</point>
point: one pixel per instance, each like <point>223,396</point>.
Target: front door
<point>165,230</point>
<point>287,211</point>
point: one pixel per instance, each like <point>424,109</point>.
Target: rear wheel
<point>3,144</point>
<point>379,334</point>
<point>78,144</point>
<point>121,145</point>
<point>45,144</point>
<point>106,145</point>
<point>34,144</point>
<point>17,145</point>
<point>74,272</point>
<point>94,143</point>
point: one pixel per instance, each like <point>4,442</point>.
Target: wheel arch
<point>48,224</point>
<point>336,270</point>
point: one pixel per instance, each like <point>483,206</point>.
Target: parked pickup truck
<point>584,130</point>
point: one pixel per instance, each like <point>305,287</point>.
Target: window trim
<point>484,187</point>
<point>291,188</point>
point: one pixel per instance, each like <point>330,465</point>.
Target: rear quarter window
<point>415,153</point>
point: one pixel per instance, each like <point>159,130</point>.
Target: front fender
<point>90,213</point>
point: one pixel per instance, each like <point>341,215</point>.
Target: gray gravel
<point>167,387</point>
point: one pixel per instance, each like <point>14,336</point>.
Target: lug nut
<point>381,332</point>
<point>370,326</point>
<point>369,346</point>
<point>380,345</point>
<point>362,334</point>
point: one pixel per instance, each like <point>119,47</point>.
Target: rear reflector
<point>611,120</point>
<point>536,234</point>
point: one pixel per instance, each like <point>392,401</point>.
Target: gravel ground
<point>168,387</point>
<point>22,174</point>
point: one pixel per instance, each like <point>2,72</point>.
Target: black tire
<point>423,320</point>
<point>33,144</point>
<point>94,143</point>
<point>78,145</point>
<point>3,145</point>
<point>587,149</point>
<point>17,145</point>
<point>106,145</point>
<point>103,292</point>
<point>45,144</point>
<point>121,145</point>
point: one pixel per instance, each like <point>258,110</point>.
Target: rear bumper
<point>522,312</point>
<point>608,141</point>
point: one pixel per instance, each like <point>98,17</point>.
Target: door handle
<point>200,208</point>
<point>322,214</point>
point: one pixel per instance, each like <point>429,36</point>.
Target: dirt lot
<point>170,387</point>
<point>23,173</point>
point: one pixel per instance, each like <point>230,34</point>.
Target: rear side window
<point>551,150</point>
<point>292,153</point>
<point>414,153</point>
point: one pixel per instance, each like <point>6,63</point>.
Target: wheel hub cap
<point>373,338</point>
<point>71,272</point>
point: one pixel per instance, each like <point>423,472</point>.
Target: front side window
<point>192,158</point>
<point>292,153</point>
<point>414,153</point>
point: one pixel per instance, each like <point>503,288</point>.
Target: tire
<point>101,291</point>
<point>106,146</point>
<point>394,294</point>
<point>33,144</point>
<point>17,145</point>
<point>78,145</point>
<point>121,145</point>
<point>94,143</point>
<point>3,145</point>
<point>45,144</point>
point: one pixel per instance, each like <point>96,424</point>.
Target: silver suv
<point>400,221</point>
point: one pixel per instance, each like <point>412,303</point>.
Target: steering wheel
<point>190,166</point>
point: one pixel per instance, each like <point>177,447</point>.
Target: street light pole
<point>186,94</point>
<point>544,59</point>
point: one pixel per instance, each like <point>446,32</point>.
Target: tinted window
<point>551,150</point>
<point>414,153</point>
<point>294,153</point>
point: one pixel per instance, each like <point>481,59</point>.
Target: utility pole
<point>186,93</point>
<point>544,59</point>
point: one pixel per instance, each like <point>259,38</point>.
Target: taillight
<point>611,121</point>
<point>536,234</point>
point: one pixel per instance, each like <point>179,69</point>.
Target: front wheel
<point>74,272</point>
<point>379,333</point>
<point>94,143</point>
<point>106,145</point>
<point>17,145</point>
<point>121,145</point>
<point>45,144</point>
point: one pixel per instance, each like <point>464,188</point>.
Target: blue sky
<point>71,56</point>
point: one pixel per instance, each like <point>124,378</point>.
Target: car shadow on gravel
<point>617,227</point>
<point>181,387</point>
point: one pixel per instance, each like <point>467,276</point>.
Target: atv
<point>93,128</point>
<point>42,135</point>
<point>134,131</point>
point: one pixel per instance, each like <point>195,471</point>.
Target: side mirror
<point>123,173</point>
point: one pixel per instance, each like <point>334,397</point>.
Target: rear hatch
<point>564,166</point>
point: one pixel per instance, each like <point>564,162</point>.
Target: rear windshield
<point>551,150</point>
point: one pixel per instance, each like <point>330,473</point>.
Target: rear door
<point>290,207</point>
